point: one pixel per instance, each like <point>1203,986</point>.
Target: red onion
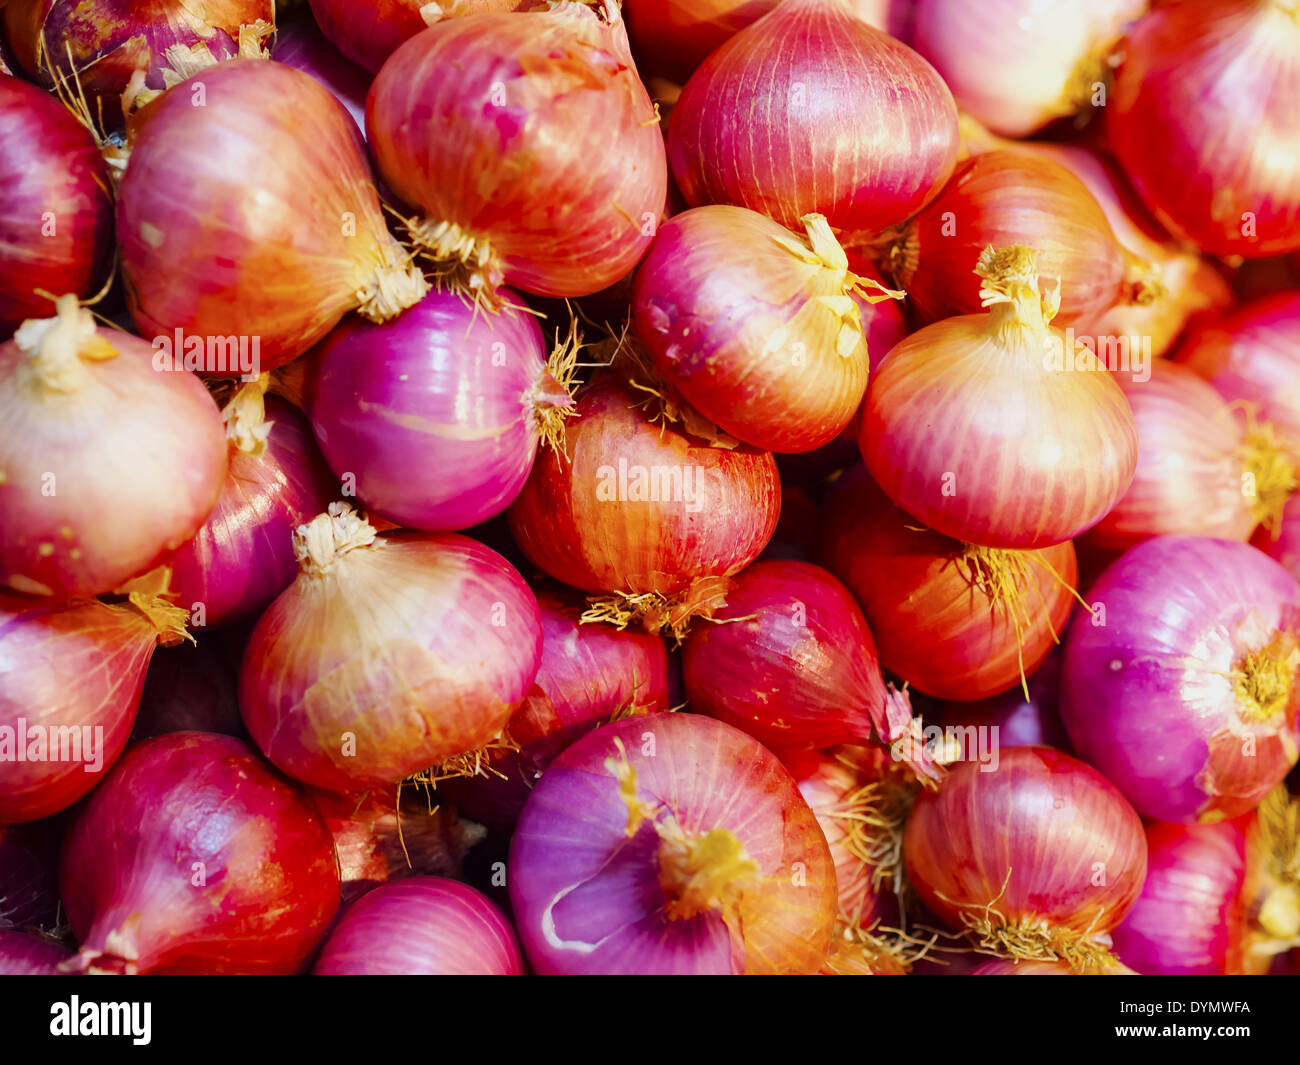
<point>1199,472</point>
<point>1204,635</point>
<point>757,329</point>
<point>425,926</point>
<point>98,490</point>
<point>27,955</point>
<point>1003,198</point>
<point>70,682</point>
<point>195,858</point>
<point>190,688</point>
<point>368,31</point>
<point>619,512</point>
<point>29,888</point>
<point>386,656</point>
<point>1037,860</point>
<point>391,407</point>
<point>56,211</point>
<point>242,557</point>
<point>589,675</point>
<point>1017,65</point>
<point>249,226</point>
<point>528,147</point>
<point>1021,721</point>
<point>945,416</point>
<point>812,110</point>
<point>100,44</point>
<point>955,620</point>
<point>670,844</point>
<point>1194,74</point>
<point>1189,918</point>
<point>300,44</point>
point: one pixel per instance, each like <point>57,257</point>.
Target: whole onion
<point>390,407</point>
<point>1204,635</point>
<point>22,954</point>
<point>946,414</point>
<point>425,926</point>
<point>1017,65</point>
<point>1021,721</point>
<point>194,858</point>
<point>527,147</point>
<point>1189,918</point>
<point>621,511</point>
<point>1192,74</point>
<point>670,844</point>
<point>387,655</point>
<point>1037,860</point>
<point>811,110</point>
<point>759,330</point>
<point>56,210</point>
<point>190,688</point>
<point>249,226</point>
<point>242,557</point>
<point>94,489</point>
<point>954,620</point>
<point>300,44</point>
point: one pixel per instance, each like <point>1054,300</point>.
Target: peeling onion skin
<point>1190,917</point>
<point>850,77</point>
<point>571,845</point>
<point>635,546</point>
<point>1183,614</point>
<point>932,628</point>
<point>22,954</point>
<point>51,173</point>
<point>270,879</point>
<point>1047,819</point>
<point>424,926</point>
<point>533,135</point>
<point>1194,76</point>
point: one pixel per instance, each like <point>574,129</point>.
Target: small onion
<point>811,110</point>
<point>252,222</point>
<point>425,926</point>
<point>22,954</point>
<point>1204,635</point>
<point>95,490</point>
<point>669,844</point>
<point>386,656</point>
<point>195,858</point>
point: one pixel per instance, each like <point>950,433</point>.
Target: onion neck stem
<point>1265,678</point>
<point>325,539</point>
<point>245,416</point>
<point>58,348</point>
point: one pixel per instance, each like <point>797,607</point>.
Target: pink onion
<point>425,926</point>
<point>22,954</point>
<point>1204,635</point>
<point>195,858</point>
<point>670,844</point>
<point>387,655</point>
<point>811,110</point>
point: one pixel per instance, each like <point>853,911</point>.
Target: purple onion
<point>436,414</point>
<point>1181,685</point>
<point>26,955</point>
<point>1020,722</point>
<point>299,43</point>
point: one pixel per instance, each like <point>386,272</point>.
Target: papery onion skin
<point>242,557</point>
<point>29,887</point>
<point>72,676</point>
<point>93,490</point>
<point>533,138</point>
<point>791,661</point>
<point>740,321</point>
<point>189,688</point>
<point>812,110</point>
<point>589,675</point>
<point>299,43</point>
<point>389,404</point>
<point>1193,626</point>
<point>1020,723</point>
<point>936,628</point>
<point>195,858</point>
<point>424,926</point>
<point>627,545</point>
<point>389,660</point>
<point>1017,65</point>
<point>1028,840</point>
<point>22,954</point>
<point>56,210</point>
<point>588,900</point>
<point>1192,74</point>
<point>1189,918</point>
<point>221,237</point>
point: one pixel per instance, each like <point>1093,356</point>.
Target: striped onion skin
<point>589,897</point>
<point>812,110</point>
<point>417,645</point>
<point>530,140</point>
<point>422,926</point>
